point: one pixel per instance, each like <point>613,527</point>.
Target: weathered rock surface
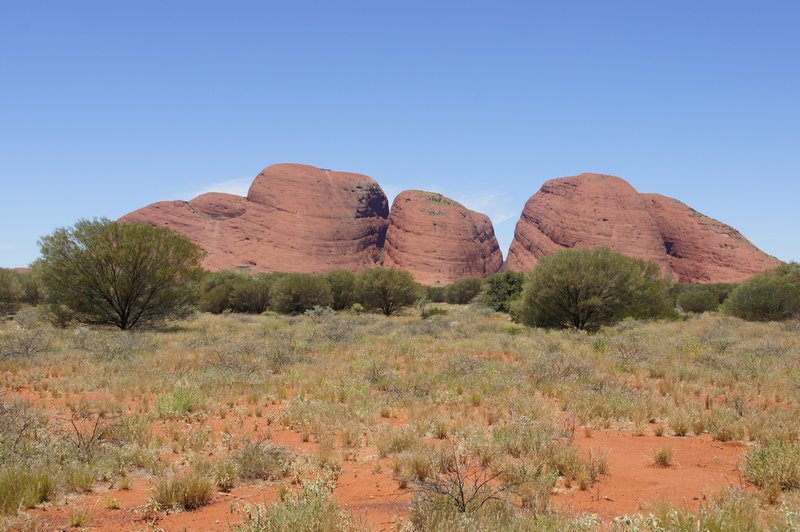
<point>702,250</point>
<point>296,218</point>
<point>592,210</point>
<point>439,240</point>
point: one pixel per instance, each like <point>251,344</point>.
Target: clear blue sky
<point>108,106</point>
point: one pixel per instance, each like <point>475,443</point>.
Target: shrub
<point>588,288</point>
<point>23,488</point>
<point>294,293</point>
<point>261,461</point>
<point>776,464</point>
<point>186,492</point>
<point>181,402</point>
<point>10,292</point>
<point>698,299</point>
<point>387,289</point>
<point>314,509</point>
<point>501,288</point>
<point>236,291</point>
<point>119,273</point>
<point>343,288</point>
<point>769,296</point>
<point>436,293</point>
<point>663,456</point>
<point>463,291</point>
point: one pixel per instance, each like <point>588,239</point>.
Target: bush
<point>698,299</point>
<point>187,492</point>
<point>343,288</point>
<point>23,488</point>
<point>436,293</point>
<point>294,293</point>
<point>769,296</point>
<point>776,464</point>
<point>463,291</point>
<point>181,402</point>
<point>312,510</point>
<point>119,273</point>
<point>499,289</point>
<point>10,292</point>
<point>261,461</point>
<point>237,292</point>
<point>387,289</point>
<point>588,288</point>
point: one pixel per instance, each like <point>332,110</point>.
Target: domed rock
<point>439,240</point>
<point>296,218</point>
<point>585,211</point>
<point>702,250</point>
<point>592,210</point>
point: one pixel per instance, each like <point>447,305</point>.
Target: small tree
<point>119,273</point>
<point>588,288</point>
<point>11,291</point>
<point>463,291</point>
<point>770,296</point>
<point>343,288</point>
<point>500,289</point>
<point>698,299</point>
<point>294,293</point>
<point>387,289</point>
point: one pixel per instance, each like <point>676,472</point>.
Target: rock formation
<point>296,218</point>
<point>439,240</point>
<point>592,210</point>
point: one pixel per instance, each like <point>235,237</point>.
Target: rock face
<point>592,210</point>
<point>439,240</point>
<point>296,218</point>
<point>702,250</point>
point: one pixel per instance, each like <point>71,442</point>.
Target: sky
<point>108,106</point>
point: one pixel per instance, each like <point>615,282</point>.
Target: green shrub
<point>181,402</point>
<point>698,299</point>
<point>313,510</point>
<point>22,488</point>
<point>237,292</point>
<point>11,293</point>
<point>387,289</point>
<point>119,273</point>
<point>499,289</point>
<point>463,291</point>
<point>436,293</point>
<point>294,293</point>
<point>187,492</point>
<point>776,464</point>
<point>343,288</point>
<point>769,296</point>
<point>588,288</point>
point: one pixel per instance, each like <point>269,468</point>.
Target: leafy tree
<point>387,289</point>
<point>217,290</point>
<point>119,273</point>
<point>11,292</point>
<point>343,288</point>
<point>463,291</point>
<point>588,288</point>
<point>436,293</point>
<point>294,293</point>
<point>770,296</point>
<point>252,293</point>
<point>698,299</point>
<point>500,289</point>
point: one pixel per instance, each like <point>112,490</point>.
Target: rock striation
<point>594,210</point>
<point>439,240</point>
<point>295,218</point>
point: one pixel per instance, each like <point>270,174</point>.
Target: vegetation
<point>10,292</point>
<point>343,288</point>
<point>770,296</point>
<point>294,293</point>
<point>387,289</point>
<point>463,291</point>
<point>698,299</point>
<point>586,289</point>
<point>119,273</point>
<point>500,289</point>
